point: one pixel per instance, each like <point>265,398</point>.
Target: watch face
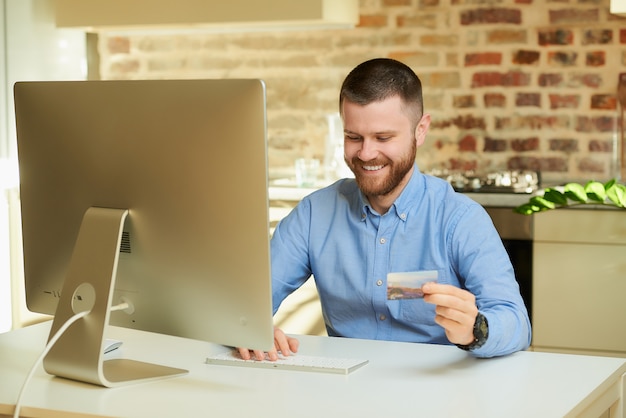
<point>481,331</point>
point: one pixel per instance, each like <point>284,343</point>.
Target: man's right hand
<point>283,343</point>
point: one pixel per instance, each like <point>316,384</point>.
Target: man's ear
<point>421,129</point>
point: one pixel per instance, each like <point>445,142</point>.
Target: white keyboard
<point>298,362</point>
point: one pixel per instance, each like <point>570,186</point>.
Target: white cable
<point>51,343</point>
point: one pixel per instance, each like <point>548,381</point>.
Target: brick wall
<point>509,83</point>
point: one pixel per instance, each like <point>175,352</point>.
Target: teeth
<point>372,167</point>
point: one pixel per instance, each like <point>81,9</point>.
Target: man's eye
<point>384,138</point>
<point>352,138</point>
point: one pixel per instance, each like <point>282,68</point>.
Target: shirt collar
<point>411,194</point>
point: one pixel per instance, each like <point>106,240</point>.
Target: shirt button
<point>383,240</point>
<point>383,317</point>
<point>379,283</point>
<point>403,216</point>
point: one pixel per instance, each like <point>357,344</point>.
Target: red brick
<point>495,145</point>
<point>461,122</point>
<point>467,143</point>
<point>483,58</point>
<point>528,99</point>
<point>571,16</point>
<point>507,36</point>
<point>372,21</point>
<point>568,101</point>
<point>550,79</point>
<point>535,122</point>
<point>444,80</point>
<point>439,40</point>
<point>524,163</point>
<point>494,100</point>
<point>469,122</point>
<point>604,102</point>
<point>599,145</point>
<point>585,80</point>
<point>510,79</point>
<point>550,164</point>
<point>491,15</point>
<point>597,36</point>
<point>589,165</point>
<point>417,59</point>
<point>564,145</point>
<point>524,145</point>
<point>526,57</point>
<point>555,37</point>
<point>463,102</point>
<point>457,164</point>
<point>622,36</point>
<point>562,58</point>
<point>595,58</point>
<point>604,124</point>
<point>428,21</point>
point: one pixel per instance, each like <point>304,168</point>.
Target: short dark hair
<point>379,79</point>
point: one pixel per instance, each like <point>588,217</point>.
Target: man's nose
<point>368,150</point>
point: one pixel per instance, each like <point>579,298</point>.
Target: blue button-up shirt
<point>334,235</point>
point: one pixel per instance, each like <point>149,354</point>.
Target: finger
<point>451,302</point>
<point>294,344</point>
<point>244,353</point>
<point>456,333</point>
<point>260,354</point>
<point>286,345</point>
<point>433,288</point>
<point>456,316</point>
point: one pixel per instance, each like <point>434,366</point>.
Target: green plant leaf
<point>527,209</point>
<point>609,184</point>
<point>542,203</point>
<point>595,191</point>
<point>575,192</point>
<point>591,193</point>
<point>617,194</point>
<point>555,196</point>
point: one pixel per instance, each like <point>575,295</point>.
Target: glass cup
<point>307,170</point>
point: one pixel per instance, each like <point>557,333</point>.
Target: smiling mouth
<point>373,167</point>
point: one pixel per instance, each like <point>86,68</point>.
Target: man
<point>392,218</point>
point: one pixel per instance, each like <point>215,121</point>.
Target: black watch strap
<point>481,332</point>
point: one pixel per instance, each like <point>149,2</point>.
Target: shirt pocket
<point>415,311</point>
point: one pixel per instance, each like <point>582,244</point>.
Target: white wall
<point>31,48</point>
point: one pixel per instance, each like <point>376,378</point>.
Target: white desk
<point>401,380</point>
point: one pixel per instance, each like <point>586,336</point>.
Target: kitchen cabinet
<point>579,281</point>
<point>217,14</point>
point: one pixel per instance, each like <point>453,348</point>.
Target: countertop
<point>284,190</point>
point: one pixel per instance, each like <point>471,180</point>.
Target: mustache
<point>357,162</point>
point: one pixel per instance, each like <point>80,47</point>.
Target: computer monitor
<point>151,193</point>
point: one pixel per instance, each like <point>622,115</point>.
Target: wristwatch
<point>481,332</point>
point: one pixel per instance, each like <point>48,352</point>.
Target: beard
<point>371,186</point>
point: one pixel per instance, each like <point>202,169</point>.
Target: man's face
<point>380,144</point>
